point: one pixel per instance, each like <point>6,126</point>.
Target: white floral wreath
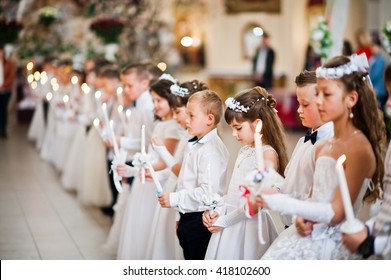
<point>179,91</point>
<point>235,105</point>
<point>357,63</point>
<point>168,77</point>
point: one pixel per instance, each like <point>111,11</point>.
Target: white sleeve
<point>310,210</point>
<point>381,243</point>
<point>189,198</point>
<point>231,218</point>
<point>130,143</point>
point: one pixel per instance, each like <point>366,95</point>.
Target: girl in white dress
<point>163,243</point>
<point>242,114</point>
<point>344,96</point>
<point>142,201</point>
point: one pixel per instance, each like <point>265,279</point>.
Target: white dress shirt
<point>141,114</point>
<point>299,172</point>
<point>193,177</point>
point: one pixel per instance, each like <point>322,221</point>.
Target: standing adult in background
<point>7,76</point>
<point>377,65</point>
<point>263,64</point>
<point>364,42</point>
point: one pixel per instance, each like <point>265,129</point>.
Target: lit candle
<point>97,126</point>
<point>119,96</point>
<point>98,94</point>
<point>120,110</point>
<point>352,225</point>
<point>105,115</point>
<point>128,113</point>
<point>114,140</point>
<point>66,102</point>
<point>258,146</point>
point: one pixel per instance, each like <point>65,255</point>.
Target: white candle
<point>97,126</point>
<point>105,115</point>
<point>258,146</point>
<point>210,190</point>
<point>66,102</point>
<point>120,110</point>
<point>128,114</point>
<point>159,188</point>
<point>114,140</point>
<point>143,139</point>
<point>347,203</point>
<point>98,94</point>
<point>119,96</point>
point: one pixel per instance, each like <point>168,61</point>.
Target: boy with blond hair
<point>205,151</point>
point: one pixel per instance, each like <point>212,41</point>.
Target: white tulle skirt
<point>74,166</point>
<point>112,241</point>
<point>138,219</point>
<point>95,188</point>
<point>36,130</point>
<point>164,243</point>
<point>64,136</point>
<point>47,149</point>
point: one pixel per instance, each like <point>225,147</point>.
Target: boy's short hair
<point>387,74</point>
<point>143,70</point>
<point>305,78</point>
<point>210,103</point>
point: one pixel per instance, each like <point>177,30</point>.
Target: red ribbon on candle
<point>246,194</point>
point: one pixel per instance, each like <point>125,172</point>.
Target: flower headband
<point>235,105</point>
<point>357,63</point>
<point>168,77</point>
<point>179,91</point>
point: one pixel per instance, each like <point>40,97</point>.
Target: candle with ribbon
<point>258,146</point>
<point>351,225</point>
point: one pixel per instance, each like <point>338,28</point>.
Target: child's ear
<point>352,99</point>
<point>211,119</point>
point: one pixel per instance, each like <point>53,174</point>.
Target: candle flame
<point>30,66</point>
<point>128,112</point>
<point>119,90</point>
<point>49,96</point>
<point>120,109</point>
<point>98,94</point>
<point>341,160</point>
<point>104,106</point>
<point>96,122</point>
<point>65,98</point>
<point>258,128</point>
<point>111,123</point>
<point>74,80</point>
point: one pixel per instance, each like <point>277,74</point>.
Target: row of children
<point>187,157</point>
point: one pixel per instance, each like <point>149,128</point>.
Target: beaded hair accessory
<point>179,91</point>
<point>357,63</point>
<point>235,105</point>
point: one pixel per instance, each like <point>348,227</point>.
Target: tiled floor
<point>38,218</point>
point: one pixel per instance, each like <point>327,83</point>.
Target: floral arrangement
<point>47,15</point>
<point>9,31</point>
<point>108,29</point>
<point>321,38</point>
<point>386,37</point>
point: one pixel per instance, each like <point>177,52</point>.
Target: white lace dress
<point>36,130</point>
<point>324,241</point>
<point>142,202</point>
<point>240,241</point>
